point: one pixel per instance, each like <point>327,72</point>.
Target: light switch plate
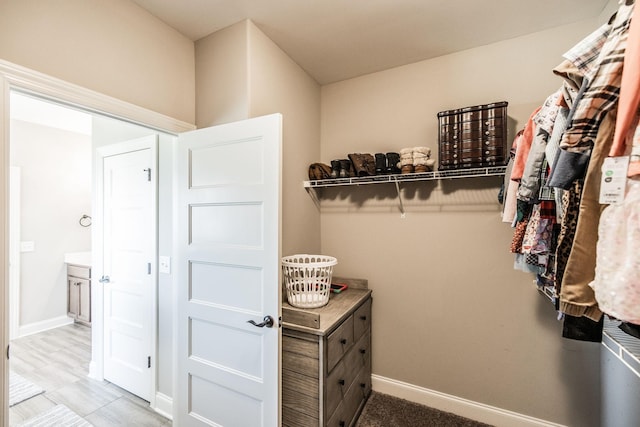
<point>164,264</point>
<point>27,246</point>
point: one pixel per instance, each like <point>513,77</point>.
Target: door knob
<point>104,279</point>
<point>267,321</point>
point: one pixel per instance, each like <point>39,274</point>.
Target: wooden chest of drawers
<point>326,360</point>
<point>473,137</point>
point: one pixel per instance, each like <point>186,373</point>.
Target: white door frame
<point>14,251</point>
<point>15,77</point>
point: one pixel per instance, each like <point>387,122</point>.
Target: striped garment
<point>603,89</point>
<point>584,54</point>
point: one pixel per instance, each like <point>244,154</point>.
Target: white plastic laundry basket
<point>307,279</point>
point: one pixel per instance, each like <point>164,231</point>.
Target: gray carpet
<point>383,410</point>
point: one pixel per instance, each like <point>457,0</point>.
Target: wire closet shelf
<point>423,176</point>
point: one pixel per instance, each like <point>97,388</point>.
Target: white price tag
<point>614,179</point>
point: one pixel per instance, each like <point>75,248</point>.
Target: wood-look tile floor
<point>58,361</point>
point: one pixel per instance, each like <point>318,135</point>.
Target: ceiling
<point>338,39</point>
<point>34,110</point>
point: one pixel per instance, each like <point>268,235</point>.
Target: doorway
<point>58,176</point>
<point>50,157</point>
<point>13,77</point>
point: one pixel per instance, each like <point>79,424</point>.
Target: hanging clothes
<point>544,123</point>
<point>576,296</point>
<point>511,186</point>
<point>572,132</point>
<point>603,89</point>
<point>600,58</point>
<point>588,135</point>
<point>571,208</point>
<point>617,277</point>
<point>629,101</point>
<point>552,149</point>
<point>524,146</point>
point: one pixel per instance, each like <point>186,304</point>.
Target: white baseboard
<point>456,405</point>
<point>93,371</point>
<point>44,325</point>
<point>164,405</point>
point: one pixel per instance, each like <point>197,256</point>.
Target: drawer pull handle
<point>343,341</point>
<point>363,351</point>
<point>341,382</point>
<point>363,317</point>
<point>341,424</point>
<point>363,385</point>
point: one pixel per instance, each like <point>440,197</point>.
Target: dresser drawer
<point>361,320</point>
<point>353,401</point>
<point>482,124</point>
<point>449,164</point>
<point>360,355</point>
<point>447,148</point>
<point>469,116</point>
<point>339,342</point>
<point>470,144</point>
<point>338,383</point>
<point>449,132</point>
<point>493,142</point>
<point>78,271</point>
<point>491,151</point>
<point>449,156</point>
<point>473,153</point>
<point>478,134</point>
<point>345,374</point>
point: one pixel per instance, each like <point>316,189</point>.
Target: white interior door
<point>228,258</point>
<point>129,215</point>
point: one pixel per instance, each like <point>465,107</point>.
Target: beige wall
<point>242,74</point>
<point>279,85</point>
<point>113,47</point>
<point>222,80</point>
<point>450,314</point>
<point>55,165</point>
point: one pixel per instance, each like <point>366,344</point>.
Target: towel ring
<point>85,221</point>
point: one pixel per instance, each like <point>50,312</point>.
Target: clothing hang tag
<point>614,179</point>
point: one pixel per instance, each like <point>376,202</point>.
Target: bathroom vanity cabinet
<point>79,293</point>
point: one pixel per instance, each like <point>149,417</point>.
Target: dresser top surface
<point>323,320</point>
